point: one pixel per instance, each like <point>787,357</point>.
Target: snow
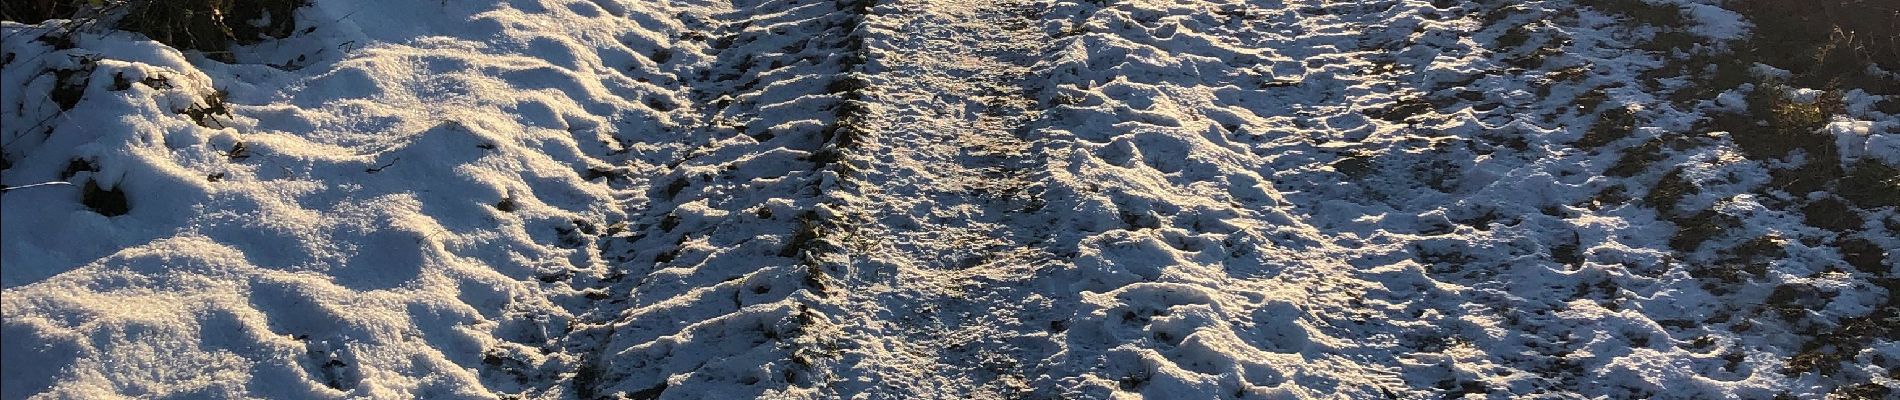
<point>359,222</point>
<point>900,199</point>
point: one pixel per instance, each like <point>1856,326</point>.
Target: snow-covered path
<point>1011,239</point>
<point>946,219</point>
<point>892,199</point>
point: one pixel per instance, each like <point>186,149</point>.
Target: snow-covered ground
<point>713,199</point>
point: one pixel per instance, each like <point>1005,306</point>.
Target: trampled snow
<point>900,199</point>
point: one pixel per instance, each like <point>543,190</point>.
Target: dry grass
<point>1827,45</point>
<point>36,11</point>
<point>209,26</point>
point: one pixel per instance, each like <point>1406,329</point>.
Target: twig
<point>392,162</point>
<point>54,183</point>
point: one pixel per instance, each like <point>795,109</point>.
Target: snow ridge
<point>720,289</point>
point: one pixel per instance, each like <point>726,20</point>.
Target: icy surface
<point>912,199</point>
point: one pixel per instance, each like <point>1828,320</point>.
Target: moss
<point>1668,193</point>
<point>1831,214</point>
<point>1691,232</point>
<point>1867,390</point>
<point>1591,99</point>
<point>1611,125</point>
<point>1636,160</point>
<point>1802,117</point>
<point>1829,349</point>
<point>1739,264</point>
<point>1760,250</point>
<point>1571,74</point>
<point>1355,166</point>
<point>1831,346</point>
<point>1722,279</point>
<point>1673,39</point>
<point>1865,256</point>
<point>1791,302</point>
<point>1514,37</point>
<point>1610,197</point>
<point>1710,74</point>
<point>1871,184</point>
<point>1776,125</point>
<point>1813,176</point>
<point>1639,11</point>
<point>1536,58</point>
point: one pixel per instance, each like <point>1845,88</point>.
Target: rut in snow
<point>720,276</point>
<point>949,204</point>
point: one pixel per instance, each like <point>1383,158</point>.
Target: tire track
<point>950,180</point>
<point>720,293</point>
